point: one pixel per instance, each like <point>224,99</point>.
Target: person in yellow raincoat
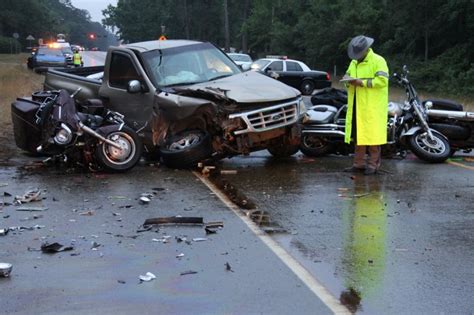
<point>366,119</point>
<point>77,58</point>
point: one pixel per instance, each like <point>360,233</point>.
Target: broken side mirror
<point>134,86</point>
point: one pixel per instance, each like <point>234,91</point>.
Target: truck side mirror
<point>134,86</point>
<point>245,67</point>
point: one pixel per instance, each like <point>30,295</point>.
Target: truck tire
<point>186,149</point>
<point>307,87</point>
<point>281,148</point>
<point>116,160</point>
<point>315,146</point>
<point>437,150</point>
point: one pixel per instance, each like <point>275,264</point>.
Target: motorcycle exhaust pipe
<point>469,116</point>
<point>95,134</point>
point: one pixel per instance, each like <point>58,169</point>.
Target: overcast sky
<point>94,7</point>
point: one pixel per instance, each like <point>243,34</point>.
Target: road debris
<point>189,272</point>
<point>32,208</point>
<point>165,239</point>
<point>121,281</point>
<point>210,231</point>
<point>4,232</point>
<point>228,172</point>
<point>29,196</point>
<point>174,220</point>
<point>180,239</point>
<point>55,248</point>
<point>89,212</point>
<point>144,200</point>
<point>180,255</point>
<point>25,228</point>
<point>147,277</point>
<point>3,184</point>
<point>199,239</point>
<point>35,217</point>
<point>5,269</point>
<point>95,245</point>
<point>228,267</point>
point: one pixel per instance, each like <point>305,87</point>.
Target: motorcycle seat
<point>321,114</point>
<point>90,120</point>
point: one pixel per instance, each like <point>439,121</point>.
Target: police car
<point>293,73</point>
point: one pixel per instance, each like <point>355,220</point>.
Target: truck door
<point>122,66</point>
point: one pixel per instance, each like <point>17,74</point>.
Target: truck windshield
<point>188,65</point>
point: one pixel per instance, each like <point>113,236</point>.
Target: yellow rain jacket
<point>371,100</point>
<point>77,59</point>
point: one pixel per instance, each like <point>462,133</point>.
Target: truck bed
<point>71,79</point>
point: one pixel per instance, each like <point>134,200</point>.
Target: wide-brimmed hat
<point>358,46</point>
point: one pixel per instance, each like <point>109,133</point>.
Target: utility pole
<point>226,27</point>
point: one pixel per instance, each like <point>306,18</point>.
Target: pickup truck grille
<point>268,118</point>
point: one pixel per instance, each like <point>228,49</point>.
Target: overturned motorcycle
<point>50,124</point>
<point>323,128</point>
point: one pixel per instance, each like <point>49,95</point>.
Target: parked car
<point>67,52</point>
<point>189,101</point>
<point>45,58</point>
<point>293,73</point>
<point>242,60</point>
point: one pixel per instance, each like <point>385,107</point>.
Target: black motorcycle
<point>457,125</point>
<point>323,128</point>
<point>50,124</point>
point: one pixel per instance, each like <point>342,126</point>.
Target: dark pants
<point>374,151</point>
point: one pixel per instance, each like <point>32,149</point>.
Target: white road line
<point>312,283</point>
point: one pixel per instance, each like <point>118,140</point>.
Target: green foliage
<point>8,45</point>
<point>46,18</point>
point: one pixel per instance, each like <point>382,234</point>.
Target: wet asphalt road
<point>395,243</point>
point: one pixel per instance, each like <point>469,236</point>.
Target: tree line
<point>45,19</point>
<point>433,37</point>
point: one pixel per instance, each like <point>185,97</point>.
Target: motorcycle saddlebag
<point>27,133</point>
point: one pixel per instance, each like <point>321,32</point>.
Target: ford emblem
<point>275,117</point>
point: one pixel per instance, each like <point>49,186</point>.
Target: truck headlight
<point>301,107</point>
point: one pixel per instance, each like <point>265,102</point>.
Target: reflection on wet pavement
<point>364,232</point>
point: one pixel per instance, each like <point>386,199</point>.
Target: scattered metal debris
<point>31,208</point>
<point>180,239</point>
<point>95,245</point>
<point>210,231</point>
<point>5,269</point>
<point>3,184</point>
<point>121,281</point>
<point>35,217</point>
<point>4,232</point>
<point>89,212</point>
<point>180,255</point>
<point>29,196</point>
<point>147,277</point>
<point>54,248</point>
<point>189,272</point>
<point>199,239</point>
<point>144,200</point>
<point>174,220</point>
<point>25,228</point>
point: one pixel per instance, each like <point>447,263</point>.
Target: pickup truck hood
<point>248,87</point>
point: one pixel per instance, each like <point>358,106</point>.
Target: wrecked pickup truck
<point>189,101</point>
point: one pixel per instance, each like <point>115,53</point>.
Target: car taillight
<point>328,77</point>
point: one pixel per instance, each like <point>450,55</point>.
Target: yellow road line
<point>461,165</point>
<point>299,270</point>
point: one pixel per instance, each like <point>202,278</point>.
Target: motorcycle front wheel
<point>115,159</point>
<point>315,146</point>
<point>436,150</point>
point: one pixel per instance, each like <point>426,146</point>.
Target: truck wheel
<point>307,87</point>
<point>315,146</point>
<point>437,150</point>
<point>186,149</point>
<point>114,159</point>
<point>282,148</point>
